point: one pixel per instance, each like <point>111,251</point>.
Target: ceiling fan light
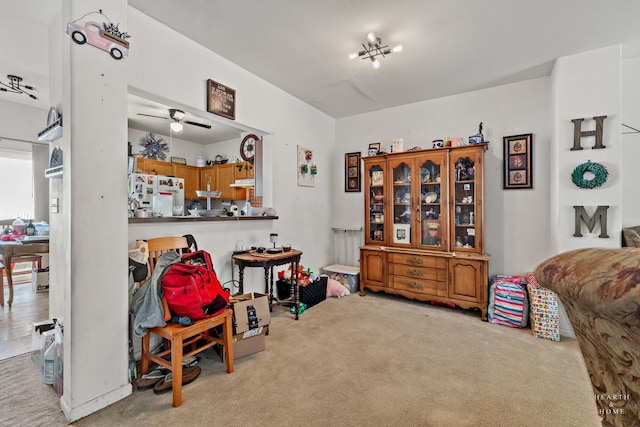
<point>375,63</point>
<point>371,37</point>
<point>176,126</point>
<point>397,48</point>
<point>176,114</point>
<point>353,55</point>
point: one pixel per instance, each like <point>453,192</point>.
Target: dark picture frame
<point>352,172</point>
<point>221,99</point>
<point>518,161</point>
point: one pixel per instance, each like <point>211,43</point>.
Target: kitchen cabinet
<point>154,167</point>
<point>424,231</point>
<point>221,176</point>
<point>208,175</point>
<point>191,176</point>
<point>227,176</point>
<point>244,170</point>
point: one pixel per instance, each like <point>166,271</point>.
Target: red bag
<point>192,289</point>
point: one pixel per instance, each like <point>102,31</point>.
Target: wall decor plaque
<point>221,100</point>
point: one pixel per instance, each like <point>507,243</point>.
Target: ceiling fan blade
<point>151,115</point>
<point>202,125</point>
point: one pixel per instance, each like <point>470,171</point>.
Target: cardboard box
<point>250,311</point>
<point>249,342</point>
<point>40,280</point>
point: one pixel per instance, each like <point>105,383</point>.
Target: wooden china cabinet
<point>424,230</point>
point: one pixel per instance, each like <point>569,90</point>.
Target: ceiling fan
<point>177,119</point>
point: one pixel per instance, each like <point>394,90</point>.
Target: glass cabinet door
<point>433,231</point>
<point>375,200</point>
<point>467,195</point>
<point>401,206</point>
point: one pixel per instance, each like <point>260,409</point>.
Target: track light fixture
<point>373,49</point>
<point>14,86</point>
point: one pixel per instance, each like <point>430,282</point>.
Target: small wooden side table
<point>268,261</point>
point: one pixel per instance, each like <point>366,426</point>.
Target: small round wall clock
<point>248,147</point>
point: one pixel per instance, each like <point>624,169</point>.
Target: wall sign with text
<point>221,100</point>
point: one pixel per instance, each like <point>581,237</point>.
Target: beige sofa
<point>600,290</point>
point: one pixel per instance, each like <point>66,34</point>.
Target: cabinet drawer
<point>431,287</point>
<point>418,273</point>
<point>418,260</point>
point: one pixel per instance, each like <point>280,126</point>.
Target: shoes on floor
<point>189,374</point>
<point>149,380</point>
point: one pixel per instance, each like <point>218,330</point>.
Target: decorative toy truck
<point>95,35</point>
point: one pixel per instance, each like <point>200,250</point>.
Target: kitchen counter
<point>155,220</point>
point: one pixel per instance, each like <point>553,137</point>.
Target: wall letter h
<point>578,133</point>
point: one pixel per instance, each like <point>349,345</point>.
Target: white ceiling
<point>450,46</point>
<point>301,46</point>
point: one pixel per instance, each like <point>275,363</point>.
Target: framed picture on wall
<point>518,162</point>
<point>352,172</point>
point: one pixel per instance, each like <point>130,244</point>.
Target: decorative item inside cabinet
<point>465,204</point>
<point>432,205</point>
<point>402,203</point>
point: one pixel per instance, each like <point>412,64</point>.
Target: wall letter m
<point>600,215</point>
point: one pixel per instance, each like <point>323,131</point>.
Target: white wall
<point>22,122</point>
<point>287,120</point>
<point>516,221</point>
<point>630,142</point>
<point>588,85</point>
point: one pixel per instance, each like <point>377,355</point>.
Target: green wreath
<point>600,175</point>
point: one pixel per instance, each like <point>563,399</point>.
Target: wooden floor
<point>15,322</point>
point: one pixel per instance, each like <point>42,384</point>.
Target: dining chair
<point>196,336</point>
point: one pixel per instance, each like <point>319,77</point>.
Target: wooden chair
<point>196,336</point>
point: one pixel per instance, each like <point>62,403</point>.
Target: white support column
<point>89,233</point>
<point>585,86</point>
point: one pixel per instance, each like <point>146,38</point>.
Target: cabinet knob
<point>415,273</point>
<point>414,260</point>
<point>415,285</point>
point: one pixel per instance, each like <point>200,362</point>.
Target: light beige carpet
<point>358,361</point>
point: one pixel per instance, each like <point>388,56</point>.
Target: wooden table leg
<point>7,255</point>
<point>1,286</point>
<point>241,278</point>
<point>296,291</point>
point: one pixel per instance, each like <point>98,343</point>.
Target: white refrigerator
<point>157,193</point>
